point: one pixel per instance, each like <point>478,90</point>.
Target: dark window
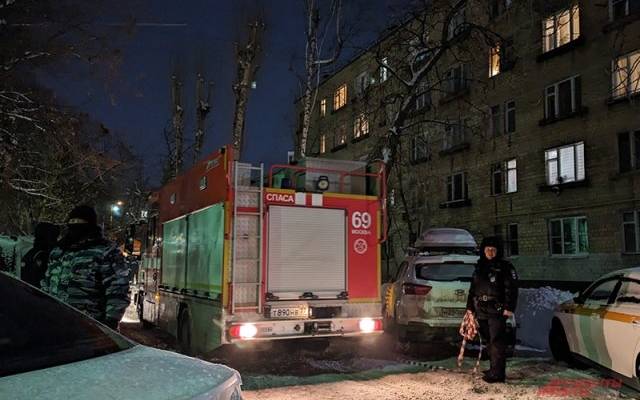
<point>39,332</point>
<point>629,150</point>
<point>563,98</point>
<point>510,117</point>
<point>496,120</point>
<point>445,272</point>
<point>497,179</point>
<point>621,8</point>
<point>631,231</point>
<point>456,187</point>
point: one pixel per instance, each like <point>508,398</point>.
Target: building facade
<point>527,128</point>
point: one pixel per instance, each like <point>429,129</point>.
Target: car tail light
<point>370,325</point>
<point>418,290</point>
<point>244,331</point>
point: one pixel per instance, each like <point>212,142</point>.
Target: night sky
<point>132,98</point>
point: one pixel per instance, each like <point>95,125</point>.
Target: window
<point>510,117</point>
<point>423,96</point>
<point>562,98</point>
<point>568,236</point>
<point>360,126</point>
<point>631,231</point>
<point>494,61</point>
<point>560,28</point>
<point>323,107</point>
<point>601,293</point>
<point>384,71</point>
<point>629,150</point>
<point>629,292</point>
<point>495,119</point>
<point>498,7</point>
<point>511,244</point>
<point>455,79</point>
<point>454,135</point>
<point>626,75</point>
<point>565,164</point>
<point>456,24</point>
<point>323,144</point>
<point>340,137</point>
<point>457,187</point>
<point>362,83</point>
<point>621,8</point>
<point>420,147</point>
<point>504,177</point>
<point>340,97</point>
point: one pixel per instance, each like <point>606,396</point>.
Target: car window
<point>629,292</point>
<point>37,331</point>
<point>445,272</point>
<point>601,293</point>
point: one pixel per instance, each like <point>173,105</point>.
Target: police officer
<point>493,296</point>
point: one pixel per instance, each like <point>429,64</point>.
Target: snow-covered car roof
<point>633,273</point>
<point>445,237</point>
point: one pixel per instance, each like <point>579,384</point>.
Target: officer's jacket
<point>494,288</point>
<point>92,277</point>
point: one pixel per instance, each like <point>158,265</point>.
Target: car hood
<point>138,373</point>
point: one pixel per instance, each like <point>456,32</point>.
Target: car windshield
<point>37,331</point>
<point>445,272</point>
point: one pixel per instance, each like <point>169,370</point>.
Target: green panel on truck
<point>205,249</point>
<point>174,252</point>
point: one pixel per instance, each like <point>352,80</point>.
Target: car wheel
<point>638,371</point>
<point>558,343</point>
<point>184,333</point>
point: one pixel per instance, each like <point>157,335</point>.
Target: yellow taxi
<point>602,325</point>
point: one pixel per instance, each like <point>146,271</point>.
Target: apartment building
<point>526,126</point>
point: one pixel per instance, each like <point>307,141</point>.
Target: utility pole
<point>203,106</point>
<point>178,124</point>
<point>311,57</point>
<point>247,67</point>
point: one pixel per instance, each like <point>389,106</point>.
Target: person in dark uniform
<point>493,297</point>
<point>35,261</point>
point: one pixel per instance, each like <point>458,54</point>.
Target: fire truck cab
<point>235,254</point>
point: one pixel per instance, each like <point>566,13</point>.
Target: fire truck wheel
<point>184,333</point>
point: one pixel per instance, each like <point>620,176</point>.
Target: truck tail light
<point>418,290</point>
<point>370,325</point>
<point>244,331</point>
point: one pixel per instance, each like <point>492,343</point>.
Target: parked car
<point>427,298</point>
<point>602,325</point>
<point>49,350</point>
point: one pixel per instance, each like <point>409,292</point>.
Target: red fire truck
<point>233,255</point>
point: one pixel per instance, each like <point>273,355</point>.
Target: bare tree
<point>203,107</point>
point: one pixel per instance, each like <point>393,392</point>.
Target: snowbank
<point>534,313</point>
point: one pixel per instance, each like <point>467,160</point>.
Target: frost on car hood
<point>139,373</point>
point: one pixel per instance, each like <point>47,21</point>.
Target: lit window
<point>626,75</point>
<point>323,144</point>
<point>340,97</point>
<point>323,107</point>
<point>621,8</point>
<point>629,151</point>
<point>631,231</point>
<point>565,164</point>
<point>457,187</point>
<point>562,98</point>
<point>360,126</point>
<point>384,71</point>
<point>494,61</point>
<point>568,236</point>
<point>560,28</point>
<point>504,177</point>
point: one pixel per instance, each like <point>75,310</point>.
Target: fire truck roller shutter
<point>306,252</point>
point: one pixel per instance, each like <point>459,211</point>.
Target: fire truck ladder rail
<point>248,193</point>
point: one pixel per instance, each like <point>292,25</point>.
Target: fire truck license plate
<point>292,312</point>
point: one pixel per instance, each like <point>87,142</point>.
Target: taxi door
<point>622,328</point>
<point>590,322</point>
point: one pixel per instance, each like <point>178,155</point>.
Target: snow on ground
<point>534,313</point>
<point>526,380</point>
